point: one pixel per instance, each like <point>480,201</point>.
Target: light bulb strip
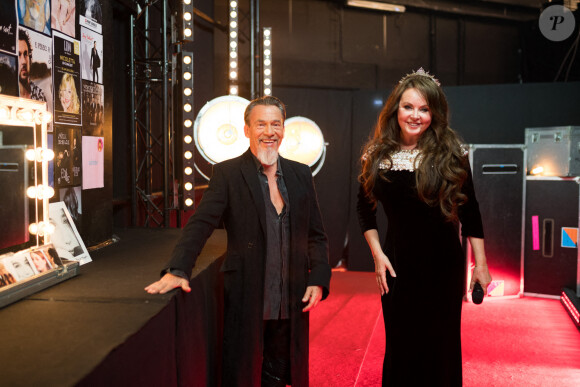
<point>267,60</point>
<point>187,117</point>
<point>19,114</point>
<point>233,47</point>
<point>186,21</point>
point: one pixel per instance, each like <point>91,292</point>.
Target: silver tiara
<point>423,73</point>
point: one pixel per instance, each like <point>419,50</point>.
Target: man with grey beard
<point>276,266</point>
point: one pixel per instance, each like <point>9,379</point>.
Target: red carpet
<point>506,342</point>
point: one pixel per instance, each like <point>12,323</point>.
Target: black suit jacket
<point>234,196</point>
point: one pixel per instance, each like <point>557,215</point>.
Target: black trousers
<point>276,362</point>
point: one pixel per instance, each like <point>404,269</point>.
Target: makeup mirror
<point>24,157</point>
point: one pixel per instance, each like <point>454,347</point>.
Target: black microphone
<point>477,295</point>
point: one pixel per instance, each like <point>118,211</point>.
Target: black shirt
<point>276,289</point>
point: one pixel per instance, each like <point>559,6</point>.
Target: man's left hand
<point>313,296</point>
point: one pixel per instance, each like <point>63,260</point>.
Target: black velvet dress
<point>422,310</point>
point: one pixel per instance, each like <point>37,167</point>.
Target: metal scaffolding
<point>152,170</point>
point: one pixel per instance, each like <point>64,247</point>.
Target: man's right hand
<point>167,283</point>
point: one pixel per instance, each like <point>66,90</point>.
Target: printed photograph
<point>93,109</point>
<point>35,14</point>
<point>92,55</point>
<point>40,260</point>
<point>67,156</point>
<point>71,196</point>
<point>63,16</point>
<point>91,15</point>
<point>8,78</point>
<point>35,66</point>
<point>6,278</point>
<point>93,162</point>
<point>20,266</point>
<point>8,26</point>
<point>66,239</point>
<point>67,84</point>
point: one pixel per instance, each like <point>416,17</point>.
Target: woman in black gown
<point>416,167</point>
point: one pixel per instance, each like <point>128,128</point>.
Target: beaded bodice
<point>403,160</point>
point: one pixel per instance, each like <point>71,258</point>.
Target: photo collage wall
<point>52,51</point>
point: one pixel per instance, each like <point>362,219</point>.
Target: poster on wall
<point>50,142</point>
<point>8,79</point>
<point>35,66</point>
<point>92,55</point>
<point>8,26</point>
<point>63,16</point>
<point>93,162</point>
<point>67,156</point>
<point>67,84</point>
<point>91,14</point>
<point>71,197</point>
<point>35,14</point>
<point>93,109</point>
<point>66,239</point>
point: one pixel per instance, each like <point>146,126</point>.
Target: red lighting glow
<point>570,308</point>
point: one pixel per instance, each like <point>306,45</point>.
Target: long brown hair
<point>441,172</point>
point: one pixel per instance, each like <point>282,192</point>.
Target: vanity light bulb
<point>31,155</point>
<point>48,192</point>
<point>31,192</point>
<point>24,115</point>
<point>188,186</point>
<point>188,202</point>
<point>47,154</point>
<point>47,117</point>
<point>33,228</point>
<point>48,228</point>
<point>4,113</point>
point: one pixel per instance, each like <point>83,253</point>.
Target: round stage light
<point>218,130</point>
<point>303,141</point>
